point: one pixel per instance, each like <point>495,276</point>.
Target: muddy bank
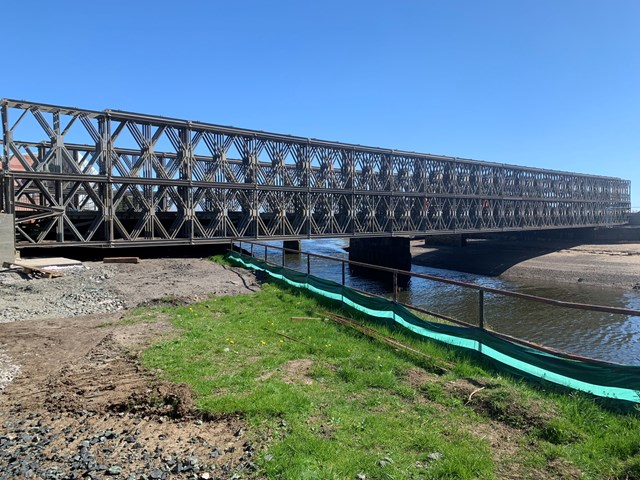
<point>614,266</point>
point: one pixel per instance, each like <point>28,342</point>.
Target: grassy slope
<point>334,404</point>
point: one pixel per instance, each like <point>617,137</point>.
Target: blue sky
<point>549,84</point>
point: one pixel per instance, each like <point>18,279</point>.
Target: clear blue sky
<point>543,83</point>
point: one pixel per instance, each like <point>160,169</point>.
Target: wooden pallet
<point>32,270</point>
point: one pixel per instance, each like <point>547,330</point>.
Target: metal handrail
<point>481,289</point>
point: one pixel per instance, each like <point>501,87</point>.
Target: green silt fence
<point>609,380</point>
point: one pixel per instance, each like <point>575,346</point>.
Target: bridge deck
<point>81,177</point>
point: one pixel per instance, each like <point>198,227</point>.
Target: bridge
<point>74,177</point>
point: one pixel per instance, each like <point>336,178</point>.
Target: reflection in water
<point>610,337</point>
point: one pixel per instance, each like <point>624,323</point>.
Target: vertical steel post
<point>283,253</point>
<point>186,159</point>
<point>252,249</point>
<point>265,254</point>
<point>395,285</point>
<point>308,264</point>
<point>7,138</point>
<point>481,309</point>
<point>343,273</point>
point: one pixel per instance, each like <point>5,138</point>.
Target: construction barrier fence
<point>603,379</point>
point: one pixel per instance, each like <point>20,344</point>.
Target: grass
<point>334,404</point>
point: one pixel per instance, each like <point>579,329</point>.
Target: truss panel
<point>112,178</point>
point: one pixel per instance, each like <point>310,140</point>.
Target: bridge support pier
<point>7,239</point>
<point>392,252</point>
<point>292,244</point>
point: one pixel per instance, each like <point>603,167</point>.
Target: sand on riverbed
<point>607,265</point>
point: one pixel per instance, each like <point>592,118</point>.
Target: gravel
<point>74,401</point>
<point>8,370</point>
<point>81,291</point>
<point>37,446</point>
<point>96,288</point>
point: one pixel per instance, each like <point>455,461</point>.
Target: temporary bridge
<point>110,178</point>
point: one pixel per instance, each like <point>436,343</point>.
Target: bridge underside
<point>79,177</point>
<point>79,229</point>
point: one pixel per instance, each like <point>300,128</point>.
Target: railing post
<point>308,264</point>
<point>395,285</point>
<point>252,249</point>
<point>343,273</point>
<point>481,309</point>
<point>265,254</point>
<point>283,253</point>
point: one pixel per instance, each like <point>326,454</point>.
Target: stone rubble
<point>8,370</point>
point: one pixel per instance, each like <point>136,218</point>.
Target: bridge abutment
<point>7,239</point>
<point>392,252</point>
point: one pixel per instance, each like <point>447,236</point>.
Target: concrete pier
<point>7,239</point>
<point>292,244</point>
<point>392,252</point>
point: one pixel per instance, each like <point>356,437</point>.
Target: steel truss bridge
<point>114,178</point>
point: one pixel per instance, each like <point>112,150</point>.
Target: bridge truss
<point>114,178</point>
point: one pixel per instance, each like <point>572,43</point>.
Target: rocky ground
<point>74,400</point>
<point>96,287</point>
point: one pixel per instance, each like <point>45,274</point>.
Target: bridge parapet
<point>117,178</point>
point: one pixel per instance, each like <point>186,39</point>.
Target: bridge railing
<point>261,251</point>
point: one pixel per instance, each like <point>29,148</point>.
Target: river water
<point>610,337</point>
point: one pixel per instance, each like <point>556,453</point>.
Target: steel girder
<point>80,177</point>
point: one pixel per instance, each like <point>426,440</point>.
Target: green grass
<point>222,260</point>
<point>334,404</point>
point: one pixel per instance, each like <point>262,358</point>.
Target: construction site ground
<point>74,400</point>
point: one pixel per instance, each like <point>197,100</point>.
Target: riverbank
<point>605,265</point>
<point>262,385</point>
<point>321,401</point>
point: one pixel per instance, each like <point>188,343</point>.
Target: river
<point>610,337</point>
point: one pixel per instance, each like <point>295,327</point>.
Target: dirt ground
<point>74,400</point>
<point>606,265</point>
<point>96,287</point>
